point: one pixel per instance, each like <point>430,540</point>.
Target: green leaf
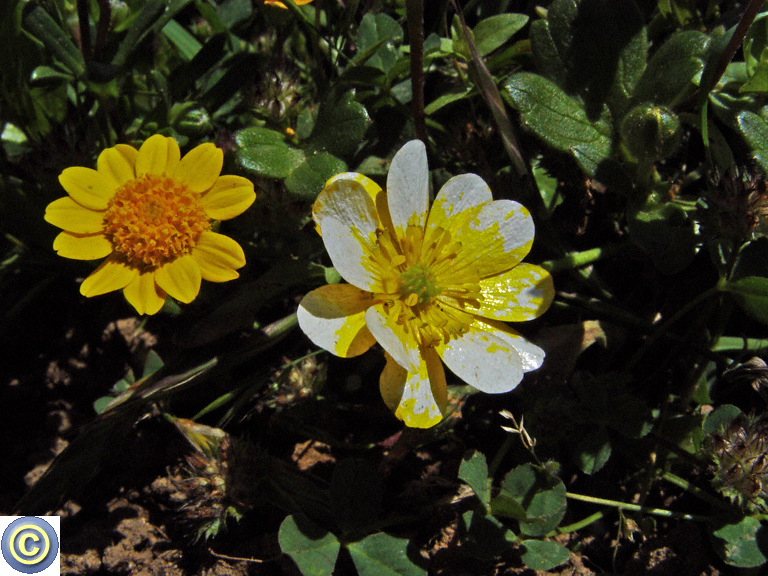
<point>266,153</point>
<point>751,293</point>
<point>540,494</point>
<point>448,97</point>
<point>309,178</point>
<point>543,554</point>
<point>547,186</point>
<point>754,128</point>
<point>560,120</point>
<point>474,471</point>
<point>755,43</point>
<point>179,36</point>
<point>340,126</point>
<point>312,548</point>
<point>669,75</point>
<point>383,555</point>
<point>357,490</point>
<point>42,26</point>
<point>377,35</point>
<point>601,50</point>
<point>494,31</point>
<point>667,235</point>
<point>486,536</point>
<point>593,450</point>
<point>719,418</point>
<point>743,543</point>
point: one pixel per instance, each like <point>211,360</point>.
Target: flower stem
<point>636,508</point>
<point>577,259</point>
<point>696,491</point>
<point>581,523</point>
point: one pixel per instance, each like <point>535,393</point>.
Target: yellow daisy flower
<point>427,283</point>
<point>149,212</point>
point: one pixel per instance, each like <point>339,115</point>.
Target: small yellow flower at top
<point>427,283</point>
<point>281,5</point>
<point>149,212</point>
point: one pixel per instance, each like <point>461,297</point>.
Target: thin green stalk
<point>578,259</point>
<point>599,515</point>
<point>696,491</point>
<point>636,508</point>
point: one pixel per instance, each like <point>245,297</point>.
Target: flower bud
<point>651,132</point>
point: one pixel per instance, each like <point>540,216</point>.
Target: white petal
<point>333,317</point>
<point>347,218</point>
<point>401,345</point>
<point>491,357</point>
<point>408,187</point>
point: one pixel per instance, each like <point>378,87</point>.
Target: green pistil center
<point>418,285</point>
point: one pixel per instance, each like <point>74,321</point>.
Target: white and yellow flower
<point>427,283</point>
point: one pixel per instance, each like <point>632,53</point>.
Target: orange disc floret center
<point>152,220</point>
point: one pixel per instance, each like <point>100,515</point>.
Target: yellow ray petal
<point>117,164</point>
<point>424,394</point>
<point>111,275</point>
<point>72,217</point>
<point>200,167</point>
<point>491,357</point>
<point>144,294</point>
<point>82,246</point>
<point>333,317</point>
<point>229,197</point>
<point>180,278</point>
<point>218,256</point>
<point>518,295</point>
<point>87,187</point>
<point>158,155</point>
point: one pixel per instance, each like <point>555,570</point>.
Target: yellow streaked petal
<point>111,275</point>
<point>117,164</point>
<point>158,155</point>
<point>200,167</point>
<point>408,187</point>
<point>333,317</point>
<point>229,197</point>
<point>491,357</point>
<point>72,217</point>
<point>520,294</point>
<point>218,256</point>
<point>180,278</point>
<point>276,3</point>
<point>457,195</point>
<point>493,237</point>
<point>347,218</point>
<point>87,187</point>
<point>393,337</point>
<point>82,246</point>
<point>424,394</point>
<point>144,294</point>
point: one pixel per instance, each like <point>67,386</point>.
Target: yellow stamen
<point>420,285</point>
